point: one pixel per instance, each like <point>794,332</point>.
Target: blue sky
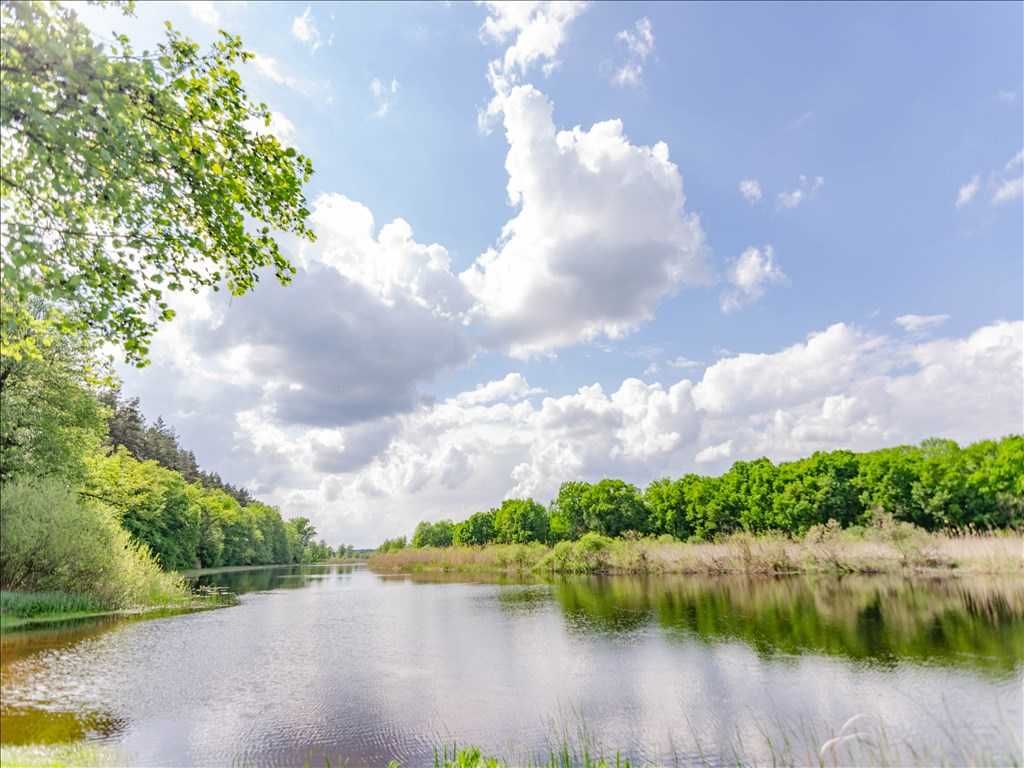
<point>897,126</point>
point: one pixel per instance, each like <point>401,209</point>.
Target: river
<point>341,663</point>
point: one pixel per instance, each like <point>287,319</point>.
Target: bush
<point>591,553</point>
<point>54,541</point>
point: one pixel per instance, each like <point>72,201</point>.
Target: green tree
<point>885,481</point>
<point>152,503</point>
<point>568,518</point>
<point>302,534</point>
<point>666,508</point>
<point>520,521</point>
<point>439,534</point>
<point>127,175</point>
<point>475,530</point>
<point>818,489</point>
<point>611,507</point>
<point>49,418</point>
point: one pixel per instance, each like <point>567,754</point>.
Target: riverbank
<point>827,551</point>
<point>30,610</point>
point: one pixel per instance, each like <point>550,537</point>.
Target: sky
<point>568,241</point>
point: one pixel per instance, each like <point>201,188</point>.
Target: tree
<point>303,533</point>
<point>439,534</point>
<point>818,489</point>
<point>666,508</point>
<point>127,175</point>
<point>475,530</point>
<point>567,510</point>
<point>612,507</point>
<point>152,503</point>
<point>49,418</point>
<point>520,521</point>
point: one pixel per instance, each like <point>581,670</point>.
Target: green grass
<point>57,756</point>
<point>26,610</point>
<point>26,605</point>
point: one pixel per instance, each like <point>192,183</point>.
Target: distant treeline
<point>187,517</point>
<point>936,485</point>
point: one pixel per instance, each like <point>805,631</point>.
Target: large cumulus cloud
<point>600,238</point>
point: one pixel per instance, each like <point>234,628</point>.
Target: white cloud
<point>537,30</point>
<point>390,264</point>
<point>920,323</point>
<point>1008,190</point>
<point>714,453</point>
<point>600,237</point>
<point>304,29</point>
<point>512,387</point>
<point>749,276</point>
<point>268,67</point>
<point>383,95</point>
<point>967,192</point>
<point>805,189</point>
<point>1006,184</point>
<point>751,190</point>
<point>1009,185</point>
<point>206,12</point>
<point>684,362</point>
<point>280,127</point>
<point>639,43</point>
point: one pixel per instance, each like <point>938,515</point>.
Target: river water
<point>341,663</point>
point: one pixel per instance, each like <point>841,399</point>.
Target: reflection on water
<point>977,623</point>
<point>336,661</point>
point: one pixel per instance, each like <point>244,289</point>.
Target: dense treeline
<point>95,501</point>
<point>937,485</point>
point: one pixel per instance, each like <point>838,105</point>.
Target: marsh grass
<point>884,548</point>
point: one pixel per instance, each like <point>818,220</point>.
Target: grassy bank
<point>27,610</point>
<point>824,550</point>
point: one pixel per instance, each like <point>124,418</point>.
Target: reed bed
<point>821,551</point>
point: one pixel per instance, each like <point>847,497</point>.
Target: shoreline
<point>192,573</point>
<point>929,555</point>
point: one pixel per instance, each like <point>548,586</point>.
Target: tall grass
<point>892,548</point>
<point>27,604</point>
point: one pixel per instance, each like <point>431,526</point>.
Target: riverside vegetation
<point>933,506</point>
<point>128,176</point>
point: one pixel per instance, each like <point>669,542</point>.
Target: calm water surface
<point>340,662</point>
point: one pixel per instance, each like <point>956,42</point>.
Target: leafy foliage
<point>520,521</point>
<point>392,545</point>
<point>55,540</point>
<point>439,534</point>
<point>127,175</point>
<point>49,418</point>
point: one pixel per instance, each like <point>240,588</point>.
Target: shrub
<point>54,541</point>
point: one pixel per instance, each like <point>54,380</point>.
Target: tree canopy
<point>128,175</point>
